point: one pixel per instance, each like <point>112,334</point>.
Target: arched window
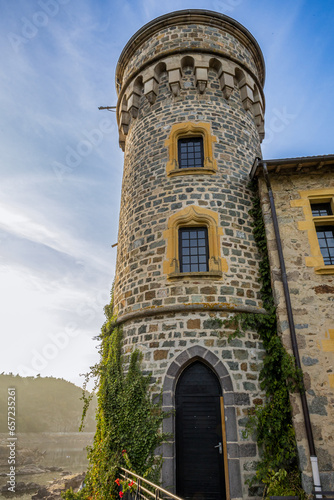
<point>190,149</point>
<point>193,244</point>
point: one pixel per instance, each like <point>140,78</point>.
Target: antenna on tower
<point>109,108</point>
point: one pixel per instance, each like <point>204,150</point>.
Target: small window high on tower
<point>190,152</point>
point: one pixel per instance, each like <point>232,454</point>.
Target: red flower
<point>120,494</point>
<point>131,484</point>
<point>123,451</point>
<point>117,482</point>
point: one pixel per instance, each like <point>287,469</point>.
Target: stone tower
<point>190,115</point>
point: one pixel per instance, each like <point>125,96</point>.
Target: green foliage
<point>127,419</point>
<point>214,323</point>
<point>282,483</point>
<point>271,422</point>
<point>45,404</point>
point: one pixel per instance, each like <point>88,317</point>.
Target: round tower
<point>190,114</point>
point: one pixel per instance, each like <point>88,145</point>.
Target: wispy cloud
<point>21,225</point>
<point>56,259</point>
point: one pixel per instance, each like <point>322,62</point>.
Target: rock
<point>55,469</point>
<point>41,493</point>
<point>31,469</point>
<point>22,487</point>
<point>53,492</point>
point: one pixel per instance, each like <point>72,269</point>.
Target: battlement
<point>198,39</point>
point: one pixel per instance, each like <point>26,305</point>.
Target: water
<point>65,450</point>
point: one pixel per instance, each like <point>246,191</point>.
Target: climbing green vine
<point>127,419</point>
<point>271,421</point>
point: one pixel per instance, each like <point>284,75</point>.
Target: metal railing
<point>156,491</point>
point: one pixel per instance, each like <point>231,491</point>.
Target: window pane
<point>198,250</point>
<point>320,209</point>
<point>190,152</point>
<point>326,242</point>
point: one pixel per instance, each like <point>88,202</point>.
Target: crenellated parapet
<point>228,49</point>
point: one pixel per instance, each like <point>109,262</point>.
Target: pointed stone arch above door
<point>184,359</point>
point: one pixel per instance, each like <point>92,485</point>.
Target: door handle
<point>220,448</point>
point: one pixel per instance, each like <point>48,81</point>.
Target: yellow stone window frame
<point>307,198</point>
<point>328,346</point>
<point>194,216</point>
<point>187,130</point>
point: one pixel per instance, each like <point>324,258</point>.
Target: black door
<point>199,464</point>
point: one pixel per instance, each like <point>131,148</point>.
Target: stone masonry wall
<point>312,297</point>
<point>161,339</point>
<point>150,197</point>
<point>190,36</point>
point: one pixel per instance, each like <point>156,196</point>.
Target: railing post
<point>138,490</point>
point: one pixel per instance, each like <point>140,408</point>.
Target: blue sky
<point>61,167</point>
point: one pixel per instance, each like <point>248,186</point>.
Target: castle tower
<point>190,114</point>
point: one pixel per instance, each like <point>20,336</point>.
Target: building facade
<point>190,114</point>
<point>303,192</point>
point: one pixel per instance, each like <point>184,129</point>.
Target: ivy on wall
<point>272,421</point>
<point>127,419</point>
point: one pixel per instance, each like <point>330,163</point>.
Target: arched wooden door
<point>199,458</point>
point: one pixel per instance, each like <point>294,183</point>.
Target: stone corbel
<point>260,129</point>
<point>151,88</point>
<point>134,103</point>
<point>247,96</point>
<point>201,78</point>
<point>226,84</point>
<point>121,140</point>
<point>125,119</point>
<point>258,113</point>
<point>258,108</point>
<point>174,80</point>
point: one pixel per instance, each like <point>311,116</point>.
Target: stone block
<point>232,450</point>
<point>247,450</point>
<point>160,354</point>
<point>193,324</point>
<point>318,405</point>
<point>231,425</point>
<point>235,478</point>
<point>241,399</point>
<point>226,382</point>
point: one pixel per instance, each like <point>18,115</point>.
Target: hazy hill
<point>44,404</point>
